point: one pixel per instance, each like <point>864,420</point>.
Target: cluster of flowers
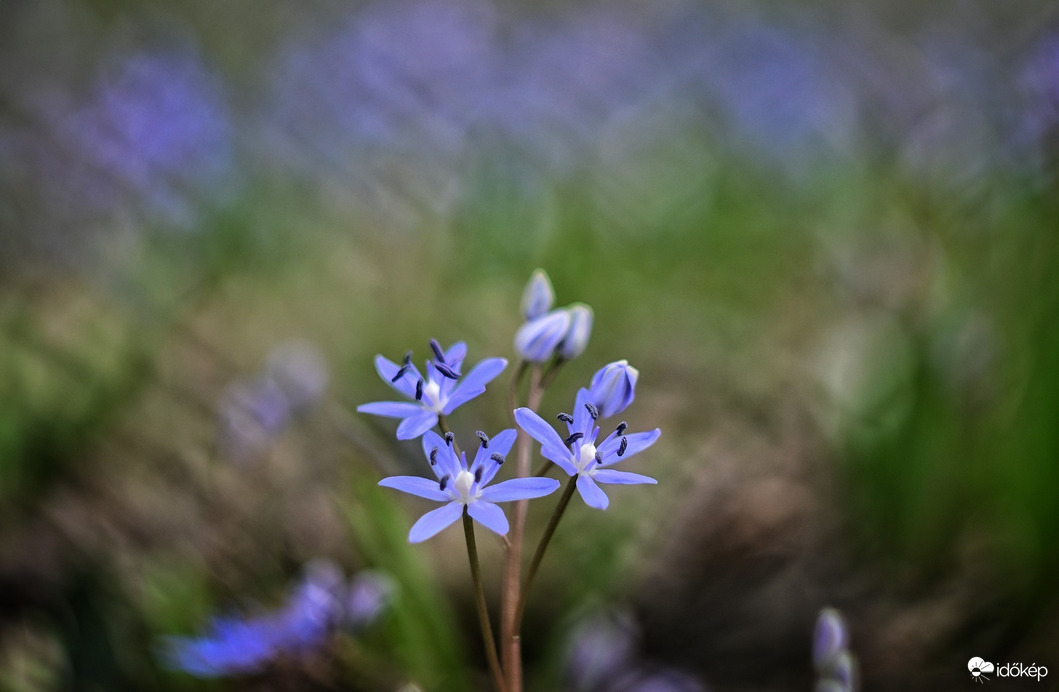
<point>322,602</point>
<point>836,668</point>
<point>548,334</point>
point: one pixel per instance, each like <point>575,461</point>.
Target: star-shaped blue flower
<point>578,454</point>
<point>439,393</point>
<point>460,485</point>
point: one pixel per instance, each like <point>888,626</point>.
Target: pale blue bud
<point>538,296</point>
<point>614,387</point>
<point>576,339</point>
<point>537,339</point>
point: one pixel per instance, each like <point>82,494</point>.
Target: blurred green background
<point>826,235</point>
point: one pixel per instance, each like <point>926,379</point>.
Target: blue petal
<point>473,383</point>
<point>498,444</point>
<point>591,493</point>
<point>391,409</point>
<point>488,515</point>
<point>447,465</point>
<point>405,385</point>
<point>520,489</point>
<point>621,477</point>
<point>537,339</point>
<point>539,430</point>
<point>455,354</point>
<point>431,523</point>
<point>637,443</point>
<point>414,485</point>
<point>583,421</point>
<point>411,428</point>
<point>561,458</point>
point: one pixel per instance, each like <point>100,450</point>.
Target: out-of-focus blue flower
<point>578,454</point>
<point>299,371</point>
<point>836,667</point>
<point>576,339</point>
<point>462,486</point>
<point>536,340</point>
<point>436,394</point>
<point>538,297</point>
<point>234,646</point>
<point>613,387</point>
<point>370,593</point>
<point>601,647</point>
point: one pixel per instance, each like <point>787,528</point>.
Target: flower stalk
<point>546,537</point>
<point>483,609</point>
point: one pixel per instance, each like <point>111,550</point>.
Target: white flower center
<point>432,396</point>
<point>464,481</point>
<point>587,456</point>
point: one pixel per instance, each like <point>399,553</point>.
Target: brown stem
<point>541,547</point>
<point>483,609</point>
<point>510,643</point>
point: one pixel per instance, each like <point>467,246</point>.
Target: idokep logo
<point>979,667</point>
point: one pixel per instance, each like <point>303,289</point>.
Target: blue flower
<point>578,454</point>
<point>536,340</point>
<point>538,296</point>
<point>460,485</point>
<point>576,338</point>
<point>614,387</point>
<point>439,393</point>
<point>234,646</point>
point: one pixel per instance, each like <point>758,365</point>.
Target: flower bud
<point>537,339</point>
<point>576,338</point>
<point>830,638</point>
<point>614,387</point>
<point>538,296</point>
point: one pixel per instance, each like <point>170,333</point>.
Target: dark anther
<point>400,373</point>
<point>621,428</point>
<point>419,389</point>
<point>478,475</point>
<point>599,458</point>
<point>566,418</point>
<point>447,371</point>
<point>623,446</point>
<point>574,438</point>
<point>592,410</point>
<point>495,456</point>
<point>436,348</point>
<point>443,482</point>
<point>434,457</point>
<point>484,438</point>
<point>449,437</point>
<point>408,359</point>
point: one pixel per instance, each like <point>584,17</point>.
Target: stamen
<point>419,389</point>
<point>623,446</point>
<point>449,437</point>
<point>621,428</point>
<point>400,373</point>
<point>436,348</point>
<point>408,359</point>
<point>484,438</point>
<point>592,410</point>
<point>447,371</point>
<point>444,481</point>
<point>434,457</point>
<point>599,458</point>
<point>566,418</point>
<point>478,475</point>
<point>495,456</point>
<point>574,438</point>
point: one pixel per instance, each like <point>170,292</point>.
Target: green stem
<point>544,469</point>
<point>546,537</point>
<point>483,609</point>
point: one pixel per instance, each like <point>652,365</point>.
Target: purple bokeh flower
<point>462,486</point>
<point>613,387</point>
